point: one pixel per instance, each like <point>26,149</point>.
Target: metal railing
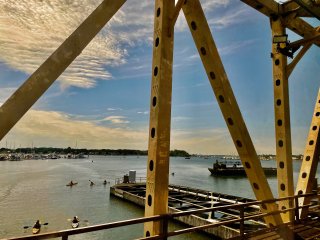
<point>120,180</point>
<point>166,217</point>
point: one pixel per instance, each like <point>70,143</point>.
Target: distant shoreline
<point>4,152</point>
<point>84,151</point>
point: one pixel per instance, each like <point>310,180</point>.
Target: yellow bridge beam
<point>160,116</point>
<point>282,120</point>
<point>221,86</point>
<point>310,161</point>
<point>33,88</point>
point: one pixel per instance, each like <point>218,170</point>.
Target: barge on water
<point>237,169</point>
<point>186,198</point>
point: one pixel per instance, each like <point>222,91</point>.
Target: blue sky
<point>102,100</point>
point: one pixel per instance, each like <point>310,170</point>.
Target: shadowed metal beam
<point>306,43</point>
<point>295,61</point>
<point>267,7</point>
<point>221,87</point>
<point>177,11</point>
<point>292,7</point>
<point>310,7</point>
<point>33,88</point>
<point>291,21</point>
<point>302,28</point>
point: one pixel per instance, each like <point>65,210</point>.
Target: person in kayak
<point>91,183</point>
<point>37,224</point>
<point>75,219</point>
<point>105,182</point>
<point>71,183</point>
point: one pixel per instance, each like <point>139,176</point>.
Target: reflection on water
<point>36,189</point>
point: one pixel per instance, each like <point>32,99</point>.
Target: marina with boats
<point>33,156</point>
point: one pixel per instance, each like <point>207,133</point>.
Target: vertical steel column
<point>282,120</point>
<point>310,159</point>
<point>221,86</point>
<point>33,88</point>
<point>160,116</point>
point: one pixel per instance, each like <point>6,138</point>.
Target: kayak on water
<point>75,225</point>
<point>75,222</point>
<point>71,184</point>
<point>36,227</point>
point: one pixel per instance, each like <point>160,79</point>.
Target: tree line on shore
<point>69,150</point>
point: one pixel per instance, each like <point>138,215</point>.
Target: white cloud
<point>30,30</point>
<point>116,119</point>
<point>236,15</point>
<point>194,57</point>
<point>114,109</point>
<point>212,4</point>
<point>219,14</point>
<point>5,93</point>
<point>56,129</point>
<point>49,128</point>
<point>180,118</point>
<point>205,141</point>
<point>232,48</point>
<point>281,1</point>
<point>145,112</point>
<point>225,50</point>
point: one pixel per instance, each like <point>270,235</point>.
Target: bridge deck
<point>306,230</point>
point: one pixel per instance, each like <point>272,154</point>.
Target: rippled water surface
<point>36,189</point>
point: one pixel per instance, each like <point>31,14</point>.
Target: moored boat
<point>221,169</point>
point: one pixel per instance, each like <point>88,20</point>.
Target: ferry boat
<point>237,169</point>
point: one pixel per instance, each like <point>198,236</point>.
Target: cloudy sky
<point>102,99</point>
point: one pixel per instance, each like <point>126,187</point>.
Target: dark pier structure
<point>228,217</point>
<point>183,198</point>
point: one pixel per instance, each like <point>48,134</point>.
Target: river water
<point>36,189</point>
